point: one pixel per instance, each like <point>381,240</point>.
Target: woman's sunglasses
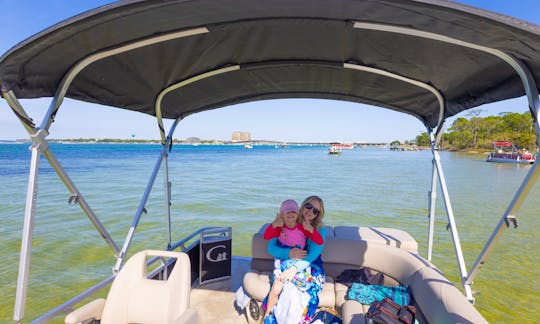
<point>313,209</point>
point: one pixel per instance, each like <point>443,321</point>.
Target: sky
<point>290,120</point>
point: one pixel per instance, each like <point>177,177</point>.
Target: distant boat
<point>343,146</point>
<point>404,148</point>
<point>334,150</point>
<point>507,152</point>
<point>248,146</point>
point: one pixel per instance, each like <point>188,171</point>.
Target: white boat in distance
<point>507,152</point>
<point>334,150</point>
<point>170,59</point>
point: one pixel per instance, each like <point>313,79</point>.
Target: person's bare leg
<point>275,290</point>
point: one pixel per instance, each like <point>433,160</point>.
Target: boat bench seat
<point>390,251</point>
<point>135,298</point>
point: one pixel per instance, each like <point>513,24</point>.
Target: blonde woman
<point>311,215</point>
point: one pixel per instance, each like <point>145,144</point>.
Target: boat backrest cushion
<point>340,254</point>
<point>336,255</point>
<point>133,298</point>
<point>382,235</point>
<point>439,300</point>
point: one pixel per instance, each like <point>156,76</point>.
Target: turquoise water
<point>233,186</point>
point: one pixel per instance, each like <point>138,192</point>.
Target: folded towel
<point>367,294</point>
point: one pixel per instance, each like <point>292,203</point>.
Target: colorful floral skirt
<point>302,279</point>
<point>313,286</point>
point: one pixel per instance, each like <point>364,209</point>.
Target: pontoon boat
<point>507,152</point>
<point>171,59</point>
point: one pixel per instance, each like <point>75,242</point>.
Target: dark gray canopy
<point>284,48</point>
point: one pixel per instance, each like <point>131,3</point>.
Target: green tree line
<point>479,132</point>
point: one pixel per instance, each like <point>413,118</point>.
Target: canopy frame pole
<point>76,195</point>
<point>40,146</point>
<point>504,223</point>
<point>167,141</point>
<point>432,198</point>
<point>452,224</point>
<point>518,66</point>
<point>142,209</point>
<point>434,140</point>
<point>523,190</point>
<point>167,184</point>
<point>416,83</point>
<point>167,187</point>
<point>28,227</point>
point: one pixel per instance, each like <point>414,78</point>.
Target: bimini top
<point>430,59</point>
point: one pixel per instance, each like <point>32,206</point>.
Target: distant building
<point>241,136</point>
<point>193,140</point>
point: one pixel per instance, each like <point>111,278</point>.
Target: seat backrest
<point>134,298</point>
<point>340,254</point>
<point>383,235</point>
<point>261,260</point>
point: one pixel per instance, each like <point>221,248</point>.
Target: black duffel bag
<point>388,312</point>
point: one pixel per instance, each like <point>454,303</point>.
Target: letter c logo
<point>219,256</point>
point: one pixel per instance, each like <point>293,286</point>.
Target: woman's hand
<point>297,254</point>
<point>288,274</point>
<point>278,221</point>
<point>307,226</point>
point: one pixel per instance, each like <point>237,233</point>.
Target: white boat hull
<point>506,160</point>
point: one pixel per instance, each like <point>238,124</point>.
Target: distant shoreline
<point>221,142</point>
<point>184,142</point>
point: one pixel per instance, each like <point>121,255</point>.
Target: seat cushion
<point>341,292</point>
<point>327,297</point>
<point>257,284</point>
<point>352,312</point>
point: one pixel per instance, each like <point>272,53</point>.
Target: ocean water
<point>242,188</point>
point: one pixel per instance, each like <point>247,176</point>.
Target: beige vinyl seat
<point>133,298</point>
<point>390,251</point>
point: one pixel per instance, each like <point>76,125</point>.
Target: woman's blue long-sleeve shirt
<point>314,251</point>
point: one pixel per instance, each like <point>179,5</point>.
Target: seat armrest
<point>92,310</point>
<point>188,317</point>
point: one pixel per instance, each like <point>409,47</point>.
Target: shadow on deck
<point>215,301</point>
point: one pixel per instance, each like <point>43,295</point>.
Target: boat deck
<point>215,301</point>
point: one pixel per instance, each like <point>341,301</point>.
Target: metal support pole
<point>434,139</point>
<point>40,146</point>
<point>135,222</point>
<point>432,205</point>
<point>167,187</point>
<point>28,227</point>
<point>168,184</point>
<point>453,227</point>
<point>80,199</point>
<point>142,204</point>
<point>41,141</point>
<point>504,223</point>
<point>18,110</point>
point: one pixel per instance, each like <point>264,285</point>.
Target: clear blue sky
<point>295,120</point>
